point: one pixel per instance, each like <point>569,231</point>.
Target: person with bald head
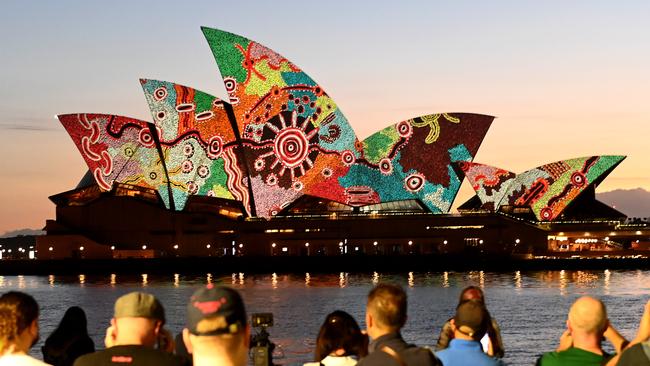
<point>580,344</point>
<point>491,342</point>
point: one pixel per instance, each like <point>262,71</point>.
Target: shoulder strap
<point>391,352</point>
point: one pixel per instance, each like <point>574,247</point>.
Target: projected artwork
<point>296,141</point>
<point>550,188</point>
<point>278,136</point>
<point>414,158</point>
<point>490,183</point>
<point>198,142</point>
<point>117,149</point>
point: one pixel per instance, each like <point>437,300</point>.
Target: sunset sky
<point>564,78</point>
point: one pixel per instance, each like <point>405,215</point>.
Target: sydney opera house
<point>277,170</point>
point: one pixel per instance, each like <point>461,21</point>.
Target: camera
<point>261,347</point>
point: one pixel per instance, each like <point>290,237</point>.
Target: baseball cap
<point>139,305</point>
<point>215,310</point>
<point>471,318</point>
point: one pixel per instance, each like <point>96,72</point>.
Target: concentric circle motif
<point>215,147</point>
<point>128,152</point>
<point>161,115</point>
<point>231,84</point>
<point>463,165</point>
<point>414,182</point>
<point>187,166</point>
<point>291,146</point>
<point>404,129</point>
<point>546,213</point>
<point>385,166</point>
<point>145,138</point>
<point>160,93</point>
<point>192,187</point>
<point>271,179</point>
<point>348,158</point>
<point>578,179</point>
<point>153,175</point>
<point>275,210</point>
<point>259,164</point>
<point>297,186</point>
<point>327,172</point>
<point>203,171</point>
<point>188,150</point>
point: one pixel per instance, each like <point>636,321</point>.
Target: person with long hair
<point>18,329</point>
<point>340,341</point>
<point>69,340</point>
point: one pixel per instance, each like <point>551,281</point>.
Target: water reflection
<point>518,280</point>
<point>343,279</point>
<point>432,297</point>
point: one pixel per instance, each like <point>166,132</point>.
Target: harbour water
<point>530,306</point>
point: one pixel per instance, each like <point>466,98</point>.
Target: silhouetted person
<point>494,342</point>
<point>136,336</point>
<point>580,344</point>
<point>217,331</point>
<point>469,325</point>
<point>18,329</point>
<point>69,340</point>
<point>340,341</point>
<point>385,317</point>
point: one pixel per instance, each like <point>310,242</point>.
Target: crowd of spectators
<point>217,332</point>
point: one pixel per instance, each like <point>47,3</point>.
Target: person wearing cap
<point>217,332</point>
<point>492,342</point>
<point>136,335</point>
<point>469,325</point>
<point>385,317</point>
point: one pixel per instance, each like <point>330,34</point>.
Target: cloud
<point>25,127</point>
<point>26,123</point>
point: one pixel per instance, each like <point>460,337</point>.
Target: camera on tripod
<point>261,347</point>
